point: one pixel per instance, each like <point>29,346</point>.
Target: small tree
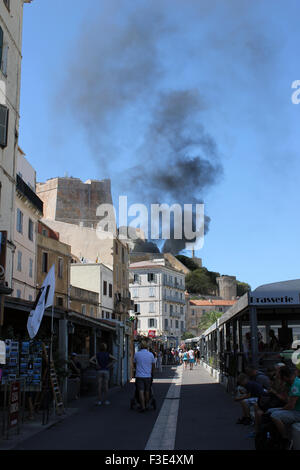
<point>208,319</point>
<point>187,335</point>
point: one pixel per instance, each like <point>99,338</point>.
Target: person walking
<point>159,361</point>
<point>185,359</point>
<point>103,361</point>
<point>145,363</point>
<point>191,358</point>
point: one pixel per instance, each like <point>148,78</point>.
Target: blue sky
<point>85,113</point>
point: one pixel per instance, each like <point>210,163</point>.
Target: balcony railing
<point>26,191</point>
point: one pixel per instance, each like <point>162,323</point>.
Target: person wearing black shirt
<point>253,390</point>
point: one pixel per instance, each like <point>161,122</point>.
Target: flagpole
<point>51,342</point>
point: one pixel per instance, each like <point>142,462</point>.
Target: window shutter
<point>3,125</point>
<point>4,59</point>
<point>1,44</point>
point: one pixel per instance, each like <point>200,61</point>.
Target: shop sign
<point>14,404</point>
<point>151,333</point>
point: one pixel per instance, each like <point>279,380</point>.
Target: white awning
<point>277,293</point>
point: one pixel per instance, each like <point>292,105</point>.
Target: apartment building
<point>158,292</point>
<point>97,278</point>
<point>11,22</point>
<point>197,308</point>
<point>28,211</point>
<point>50,250</point>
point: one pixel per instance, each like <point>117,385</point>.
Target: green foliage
<point>201,281</point>
<point>188,262</point>
<point>242,288</point>
<point>187,335</point>
<point>208,319</point>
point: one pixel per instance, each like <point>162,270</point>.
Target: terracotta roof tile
<point>210,302</point>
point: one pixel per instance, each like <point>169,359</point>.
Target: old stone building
<point>50,250</point>
<point>84,301</point>
<point>197,308</point>
<point>72,201</point>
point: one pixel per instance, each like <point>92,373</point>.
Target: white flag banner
<point>44,299</point>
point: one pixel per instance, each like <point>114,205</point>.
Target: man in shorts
<point>290,413</point>
<point>103,361</point>
<point>145,363</point>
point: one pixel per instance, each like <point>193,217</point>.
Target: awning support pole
<point>254,338</point>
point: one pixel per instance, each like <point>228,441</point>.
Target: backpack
<point>268,437</point>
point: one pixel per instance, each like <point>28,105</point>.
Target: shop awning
<point>278,293</point>
<point>93,321</point>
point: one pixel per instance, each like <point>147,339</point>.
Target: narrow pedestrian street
<point>193,412</point>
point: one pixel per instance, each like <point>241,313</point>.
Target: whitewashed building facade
<point>158,292</point>
<point>11,23</point>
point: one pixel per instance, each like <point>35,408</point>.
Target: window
<point>59,301</point>
<point>134,292</point>
<point>92,311</point>
<point>45,262</point>
<point>220,309</point>
<point>177,324</point>
<point>137,308</point>
<point>104,287</point>
<point>19,266</point>
<point>123,255</point>
<point>136,279</point>
<point>110,290</point>
<point>171,309</point>
<point>107,315</point>
<point>1,43</point>
<point>30,297</point>
<point>103,314</point>
<point>139,324</point>
<point>166,308</point>
<point>151,277</point>
<point>151,291</point>
<point>30,267</point>
<point>182,325</point>
<point>83,309</point>
<point>152,323</point>
<point>18,293</point>
<point>30,230</point>
<point>4,59</point>
<point>60,267</point>
<point>19,221</point>
<point>181,310</point>
<point>3,121</point>
<point>193,312</point>
<point>151,307</point>
<point>166,324</point>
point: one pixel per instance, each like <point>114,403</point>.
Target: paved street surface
<point>193,413</point>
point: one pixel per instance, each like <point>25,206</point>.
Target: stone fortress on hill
<point>72,201</point>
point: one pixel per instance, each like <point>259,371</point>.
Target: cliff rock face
<point>72,201</point>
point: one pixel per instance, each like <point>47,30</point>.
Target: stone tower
<point>227,287</point>
<point>72,201</point>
